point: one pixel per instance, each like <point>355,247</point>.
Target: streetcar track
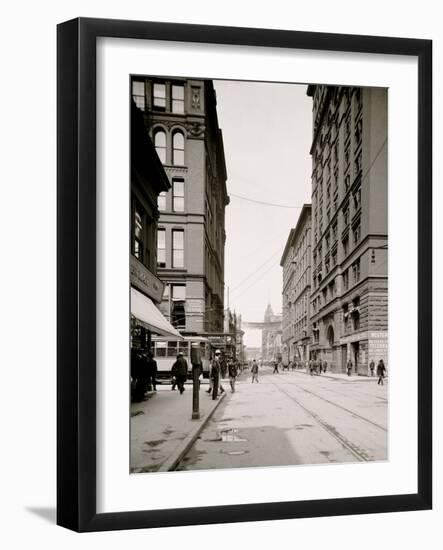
<point>356,388</point>
<point>345,409</point>
<point>348,445</point>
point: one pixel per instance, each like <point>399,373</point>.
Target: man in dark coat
<point>152,370</point>
<point>349,367</point>
<point>325,366</point>
<point>180,369</point>
<point>215,373</point>
<point>139,375</point>
<point>381,370</point>
<point>232,368</point>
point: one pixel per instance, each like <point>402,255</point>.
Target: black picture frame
<point>76,280</point>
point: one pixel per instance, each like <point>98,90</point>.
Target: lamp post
<point>196,370</point>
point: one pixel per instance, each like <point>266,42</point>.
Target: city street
<point>293,418</point>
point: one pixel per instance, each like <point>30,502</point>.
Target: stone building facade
<point>296,264</point>
<point>181,118</point>
<point>349,295</point>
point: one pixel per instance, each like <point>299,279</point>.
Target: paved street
<point>293,418</point>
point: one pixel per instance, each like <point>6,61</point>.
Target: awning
<point>144,310</point>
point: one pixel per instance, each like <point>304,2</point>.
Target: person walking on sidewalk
<point>138,375</point>
<point>152,370</point>
<point>349,367</point>
<point>325,366</point>
<point>275,371</point>
<point>254,371</point>
<point>215,374</point>
<point>372,367</point>
<point>180,367</point>
<point>381,370</point>
<point>232,370</point>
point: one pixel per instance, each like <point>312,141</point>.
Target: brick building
<point>349,295</point>
<point>148,180</point>
<point>296,264</point>
<point>180,116</point>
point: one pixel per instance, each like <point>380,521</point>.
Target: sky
<point>267,134</point>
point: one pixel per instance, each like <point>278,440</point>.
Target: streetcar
<point>165,351</point>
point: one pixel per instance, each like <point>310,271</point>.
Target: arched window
<point>178,149</point>
<point>160,145</point>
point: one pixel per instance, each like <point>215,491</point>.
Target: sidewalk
<point>162,429</point>
<point>342,376</point>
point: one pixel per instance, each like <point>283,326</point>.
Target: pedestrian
<point>180,368</point>
<point>311,367</point>
<point>152,370</point>
<point>381,370</point>
<point>215,374</point>
<point>275,371</point>
<point>233,371</point>
<point>315,366</point>
<point>372,367</point>
<point>291,365</point>
<point>320,366</point>
<point>349,367</point>
<point>254,371</point>
<point>325,366</point>
<point>138,375</point>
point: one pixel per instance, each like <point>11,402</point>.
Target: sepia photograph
<point>258,274</point>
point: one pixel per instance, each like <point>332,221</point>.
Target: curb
<point>172,462</point>
<point>355,378</point>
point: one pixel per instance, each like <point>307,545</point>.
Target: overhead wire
<point>264,202</point>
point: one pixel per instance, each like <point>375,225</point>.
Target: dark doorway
<point>355,354</point>
<point>344,353</point>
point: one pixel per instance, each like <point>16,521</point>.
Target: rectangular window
<point>172,349</point>
<point>138,245</point>
<point>161,201</point>
<point>159,96</point>
<point>356,233</point>
<point>178,98</point>
<point>358,164</point>
<point>356,270</point>
<point>138,94</point>
<point>345,279</point>
<point>345,243</point>
<point>357,199</point>
<point>178,195</point>
<point>178,313</point>
<point>161,247</point>
<point>160,349</point>
<point>178,243</point>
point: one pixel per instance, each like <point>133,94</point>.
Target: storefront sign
<point>145,281</point>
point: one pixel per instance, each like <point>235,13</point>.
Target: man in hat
<point>215,373</point>
<point>180,369</point>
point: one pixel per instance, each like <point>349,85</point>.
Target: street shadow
<point>48,514</point>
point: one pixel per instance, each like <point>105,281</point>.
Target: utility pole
<point>196,370</point>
